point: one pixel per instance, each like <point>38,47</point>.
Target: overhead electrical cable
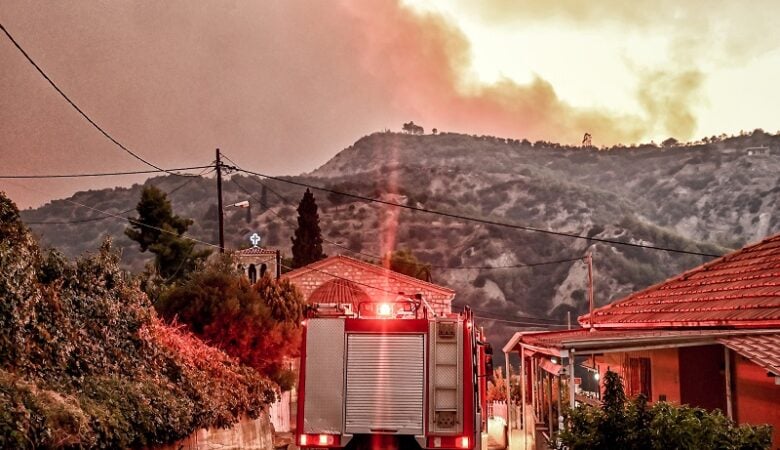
<point>376,257</point>
<point>80,111</point>
<point>396,293</point>
<point>513,266</point>
<point>518,322</point>
<point>132,221</point>
<point>105,174</point>
<point>292,224</point>
<point>97,219</point>
<point>478,220</point>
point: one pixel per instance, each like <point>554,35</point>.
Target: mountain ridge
<point>705,197</point>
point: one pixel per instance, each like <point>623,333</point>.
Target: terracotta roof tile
<point>765,343</point>
<point>255,251</point>
<point>340,291</point>
<point>762,349</point>
<point>741,289</point>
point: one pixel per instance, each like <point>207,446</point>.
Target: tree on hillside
<point>159,231</point>
<point>307,242</point>
<point>403,261</point>
<point>258,324</point>
<point>412,128</point>
<point>670,142</point>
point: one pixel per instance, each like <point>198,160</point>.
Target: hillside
<point>706,197</point>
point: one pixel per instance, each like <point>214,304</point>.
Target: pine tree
<point>160,231</point>
<point>307,242</point>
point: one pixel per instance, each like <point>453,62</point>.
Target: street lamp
<point>241,204</point>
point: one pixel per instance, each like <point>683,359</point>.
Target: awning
<point>549,366</point>
<point>762,349</point>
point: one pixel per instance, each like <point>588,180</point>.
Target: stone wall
<point>308,281</point>
<point>247,434</point>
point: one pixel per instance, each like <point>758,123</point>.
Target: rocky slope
<point>705,197</point>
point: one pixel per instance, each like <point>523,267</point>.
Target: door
<point>702,377</point>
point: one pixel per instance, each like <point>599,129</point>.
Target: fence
<point>280,413</point>
<point>496,409</point>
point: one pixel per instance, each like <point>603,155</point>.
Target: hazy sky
<point>281,86</point>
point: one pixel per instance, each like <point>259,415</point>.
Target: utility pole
<point>218,166</point>
<point>590,290</point>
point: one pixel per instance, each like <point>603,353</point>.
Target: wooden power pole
<point>590,290</point>
<point>219,204</point>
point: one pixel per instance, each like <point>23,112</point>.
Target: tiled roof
<point>584,340</point>
<point>322,266</point>
<point>339,291</point>
<point>255,251</point>
<point>762,349</point>
<point>741,289</point>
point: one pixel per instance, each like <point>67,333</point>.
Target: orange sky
<point>281,86</point>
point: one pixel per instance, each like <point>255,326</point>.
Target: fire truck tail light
<point>324,440</point>
<point>463,442</point>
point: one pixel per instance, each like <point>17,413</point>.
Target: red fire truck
<point>392,376</point>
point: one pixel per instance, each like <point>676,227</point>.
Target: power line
<point>73,104</point>
<point>291,223</point>
<point>513,266</point>
<point>396,293</point>
<point>103,174</point>
<point>502,316</point>
<point>97,219</point>
<point>478,220</point>
<point>517,322</point>
<point>380,258</point>
<point>287,201</point>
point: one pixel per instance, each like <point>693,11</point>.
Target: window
<point>252,274</point>
<point>639,381</point>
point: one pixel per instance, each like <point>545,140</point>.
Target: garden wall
<point>247,434</point>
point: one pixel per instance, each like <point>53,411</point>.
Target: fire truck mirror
<point>488,349</point>
<point>489,368</point>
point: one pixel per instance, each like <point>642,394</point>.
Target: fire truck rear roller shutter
<point>385,383</point>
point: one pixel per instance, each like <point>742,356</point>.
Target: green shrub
<point>85,362</point>
<point>631,425</point>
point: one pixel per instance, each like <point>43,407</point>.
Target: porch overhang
<point>599,341</point>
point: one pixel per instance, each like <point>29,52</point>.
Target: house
<point>343,280</point>
<point>709,337</point>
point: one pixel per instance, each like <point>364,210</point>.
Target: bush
<point>631,425</point>
<point>85,362</point>
<point>257,323</point>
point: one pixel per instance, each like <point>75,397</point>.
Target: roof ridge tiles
<point>689,289</point>
<point>701,300</point>
<point>692,309</point>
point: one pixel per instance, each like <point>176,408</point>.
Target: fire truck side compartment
<point>324,376</point>
<point>445,415</point>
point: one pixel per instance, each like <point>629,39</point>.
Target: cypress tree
<point>307,242</point>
